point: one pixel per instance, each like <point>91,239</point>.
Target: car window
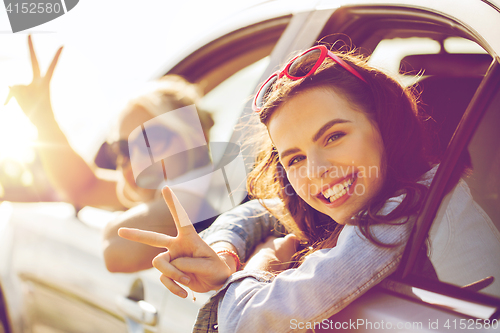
<point>446,73</point>
<point>226,101</point>
<point>228,70</point>
<point>390,52</point>
<point>465,237</point>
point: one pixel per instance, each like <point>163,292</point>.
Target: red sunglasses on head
<point>301,66</point>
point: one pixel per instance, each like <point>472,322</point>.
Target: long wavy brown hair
<point>393,108</point>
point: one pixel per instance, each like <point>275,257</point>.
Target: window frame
<point>482,99</point>
<point>230,53</point>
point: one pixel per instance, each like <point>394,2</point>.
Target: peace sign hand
<point>34,98</point>
<point>189,260</point>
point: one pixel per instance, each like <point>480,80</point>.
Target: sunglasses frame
<point>325,52</point>
<point>120,147</point>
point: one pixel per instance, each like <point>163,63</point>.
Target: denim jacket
<point>326,282</point>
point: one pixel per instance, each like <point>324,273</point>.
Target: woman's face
<point>131,120</point>
<point>332,153</point>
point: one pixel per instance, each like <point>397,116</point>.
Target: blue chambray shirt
<point>326,282</point>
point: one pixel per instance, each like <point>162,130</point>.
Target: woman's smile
<point>335,193</point>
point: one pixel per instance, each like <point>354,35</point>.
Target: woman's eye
<point>295,160</point>
<point>334,137</point>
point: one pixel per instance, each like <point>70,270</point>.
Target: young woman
<point>343,167</point>
<point>78,182</point>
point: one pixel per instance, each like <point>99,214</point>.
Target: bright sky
<point>110,48</point>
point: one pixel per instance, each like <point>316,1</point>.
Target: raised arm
<point>66,170</point>
<point>125,256</point>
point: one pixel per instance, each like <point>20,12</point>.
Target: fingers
<point>195,265</point>
<point>293,241</point>
<point>180,216</point>
<point>146,237</point>
<point>285,247</point>
<point>52,66</point>
<point>169,273</point>
<point>291,238</point>
<point>162,263</point>
<point>190,265</point>
<point>173,287</point>
<point>9,96</point>
<point>34,61</point>
<point>213,273</point>
<point>36,66</point>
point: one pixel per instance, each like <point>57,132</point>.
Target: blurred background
<point>111,48</point>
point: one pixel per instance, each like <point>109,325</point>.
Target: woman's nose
<point>317,166</point>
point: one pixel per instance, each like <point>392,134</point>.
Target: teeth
<point>338,190</point>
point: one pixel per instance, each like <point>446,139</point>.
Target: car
<point>52,273</point>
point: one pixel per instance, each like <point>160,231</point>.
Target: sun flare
<point>17,134</point>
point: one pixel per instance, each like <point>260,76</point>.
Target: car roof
<point>252,15</point>
<point>481,17</point>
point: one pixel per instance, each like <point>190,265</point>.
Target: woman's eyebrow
<point>316,136</point>
<point>289,152</point>
<point>327,126</point>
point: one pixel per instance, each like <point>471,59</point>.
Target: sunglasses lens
<point>304,64</point>
<point>266,89</point>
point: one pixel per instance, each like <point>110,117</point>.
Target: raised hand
<point>34,98</point>
<point>189,260</point>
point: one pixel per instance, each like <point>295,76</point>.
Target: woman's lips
<point>342,198</point>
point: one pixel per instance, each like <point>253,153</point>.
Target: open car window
<point>464,237</point>
<point>229,69</point>
<point>227,100</point>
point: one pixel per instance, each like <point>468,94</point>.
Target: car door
<point>57,281</point>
